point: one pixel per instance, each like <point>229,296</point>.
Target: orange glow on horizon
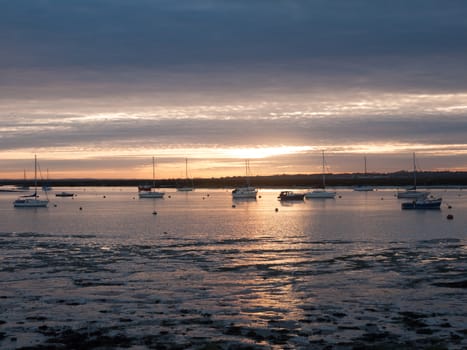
<point>69,162</point>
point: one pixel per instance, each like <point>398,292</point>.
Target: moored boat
<point>185,189</point>
<point>31,201</point>
<point>412,192</point>
<point>187,186</point>
<point>64,194</point>
<point>151,194</point>
<point>149,191</point>
<point>290,196</point>
<point>423,203</point>
<point>321,192</point>
<point>245,192</point>
<point>363,188</point>
<point>144,187</point>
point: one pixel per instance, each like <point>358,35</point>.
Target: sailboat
<point>412,192</point>
<point>46,186</point>
<point>31,201</point>
<point>186,187</point>
<point>245,192</point>
<point>150,192</point>
<point>423,202</point>
<point>321,193</point>
<point>363,188</point>
<point>24,186</point>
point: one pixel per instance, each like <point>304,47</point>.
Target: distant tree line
<point>396,179</point>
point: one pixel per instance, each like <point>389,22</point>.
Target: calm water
<point>207,272</point>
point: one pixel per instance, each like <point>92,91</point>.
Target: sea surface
<point>197,270</point>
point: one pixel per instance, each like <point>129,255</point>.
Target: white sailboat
<point>31,201</point>
<point>245,192</point>
<point>186,187</point>
<point>321,192</point>
<point>151,192</point>
<point>412,192</point>
<point>363,188</point>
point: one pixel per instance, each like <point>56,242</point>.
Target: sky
<point>96,88</point>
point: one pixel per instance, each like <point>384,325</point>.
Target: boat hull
<point>290,196</point>
<point>363,188</point>
<point>320,194</point>
<point>245,193</point>
<point>151,194</point>
<point>423,204</point>
<point>144,188</point>
<point>244,196</point>
<point>30,203</point>
<point>64,194</point>
<point>185,189</point>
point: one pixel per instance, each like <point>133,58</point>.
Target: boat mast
<point>414,173</point>
<point>35,176</point>
<point>365,164</point>
<point>247,172</point>
<point>324,184</point>
<point>153,174</point>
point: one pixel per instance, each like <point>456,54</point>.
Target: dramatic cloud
<point>106,81</point>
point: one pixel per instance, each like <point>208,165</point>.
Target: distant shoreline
<point>396,179</point>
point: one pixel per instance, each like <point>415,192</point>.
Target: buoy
<point>103,196</point>
<point>450,217</point>
<point>259,196</point>
<point>80,208</point>
<point>277,209</point>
